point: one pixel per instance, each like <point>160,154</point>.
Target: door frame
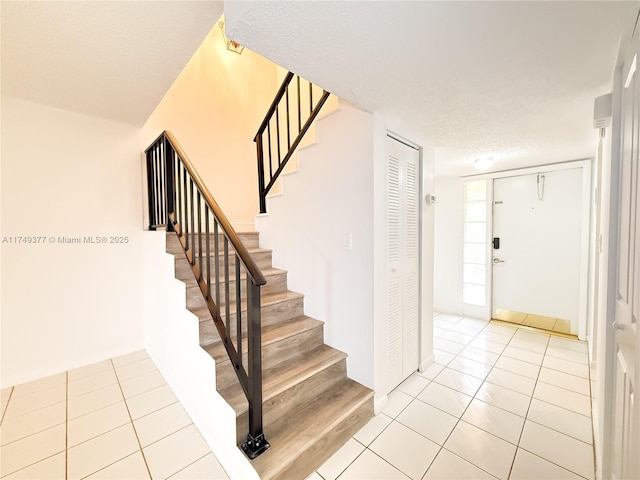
<point>585,228</point>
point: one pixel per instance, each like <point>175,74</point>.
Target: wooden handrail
<point>274,104</point>
<point>248,261</point>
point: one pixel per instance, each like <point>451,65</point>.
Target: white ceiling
<point>513,80</point>
<point>112,59</point>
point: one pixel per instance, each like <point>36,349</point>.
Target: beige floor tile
<point>100,452</point>
<point>135,369</point>
<point>408,451</point>
<point>141,384</point>
<point>564,398</point>
<point>150,401</point>
<point>448,466</point>
<point>52,468</point>
<point>372,429</point>
<point>566,366</point>
<point>398,401</point>
<point>132,467</point>
<point>91,383</point>
<point>32,449</point>
<point>33,422</point>
<point>413,385</point>
<point>35,401</point>
<point>370,466</point>
<point>523,355</point>
<point>565,380</point>
<point>207,467</point>
<point>504,398</point>
<point>531,346</point>
<point>485,451</point>
<point>470,367</point>
<point>96,400</point>
<point>459,381</point>
<point>168,456</point>
<point>5,393</point>
<point>445,398</point>
<point>96,423</point>
<point>512,381</point>
<point>562,420</point>
<point>558,448</point>
<point>39,385</point>
<point>339,461</point>
<point>428,421</point>
<point>569,344</point>
<point>514,365</point>
<point>528,466</point>
<point>130,358</point>
<point>161,423</point>
<point>431,371</point>
<point>494,420</point>
<point>89,370</point>
<point>559,352</point>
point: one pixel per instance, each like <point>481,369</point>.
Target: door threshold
<point>535,329</point>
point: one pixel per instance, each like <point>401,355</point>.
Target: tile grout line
<point>4,412</point>
<point>513,462</point>
<point>144,458</point>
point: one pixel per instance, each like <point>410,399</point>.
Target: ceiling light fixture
<point>483,163</point>
<point>232,46</point>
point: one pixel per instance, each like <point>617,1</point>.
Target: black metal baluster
<point>200,235</point>
<point>278,133</point>
<point>238,309</point>
<point>156,172</point>
<point>192,215</point>
<point>208,250</point>
<point>185,226</point>
<point>216,252</point>
<point>299,107</point>
<point>269,140</point>
<point>310,98</point>
<point>150,193</point>
<point>288,123</point>
<point>227,308</point>
<point>263,196</point>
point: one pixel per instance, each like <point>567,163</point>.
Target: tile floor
<point>500,402</point>
<point>115,419</point>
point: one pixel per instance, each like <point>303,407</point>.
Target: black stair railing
<point>282,129</point>
<point>179,200</point>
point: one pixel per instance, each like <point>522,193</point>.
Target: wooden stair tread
<point>252,251</point>
<point>296,433</point>
<point>279,377</point>
<point>269,299</point>
<point>270,334</point>
<point>267,272</point>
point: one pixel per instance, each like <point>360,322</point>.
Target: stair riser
<point>270,314</point>
<point>248,239</point>
<point>272,353</point>
<point>301,393</point>
<point>184,272</point>
<point>325,446</point>
<point>275,283</point>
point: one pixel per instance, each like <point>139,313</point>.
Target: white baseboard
<point>380,404</point>
<point>426,363</point>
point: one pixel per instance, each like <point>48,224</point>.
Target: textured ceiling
<point>513,80</point>
<point>112,59</point>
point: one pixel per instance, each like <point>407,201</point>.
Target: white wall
<point>173,342</point>
<point>449,218</point>
<point>329,196</point>
<point>67,305</point>
<point>214,109</point>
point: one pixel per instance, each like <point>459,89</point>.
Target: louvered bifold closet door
<point>403,256</point>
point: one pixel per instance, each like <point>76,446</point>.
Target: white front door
<point>403,257</point>
<point>536,266</point>
<point>624,441</point>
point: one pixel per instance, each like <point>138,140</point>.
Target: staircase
<point>310,406</point>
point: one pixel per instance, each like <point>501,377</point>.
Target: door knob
<point>497,260</point>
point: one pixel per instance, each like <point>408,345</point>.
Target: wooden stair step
<point>280,341</point>
<point>276,307</point>
<point>307,436</point>
<point>282,376</point>
<point>262,257</point>
<point>276,282</point>
<point>248,239</point>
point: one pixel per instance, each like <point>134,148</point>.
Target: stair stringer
<point>173,342</point>
<point>338,165</point>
